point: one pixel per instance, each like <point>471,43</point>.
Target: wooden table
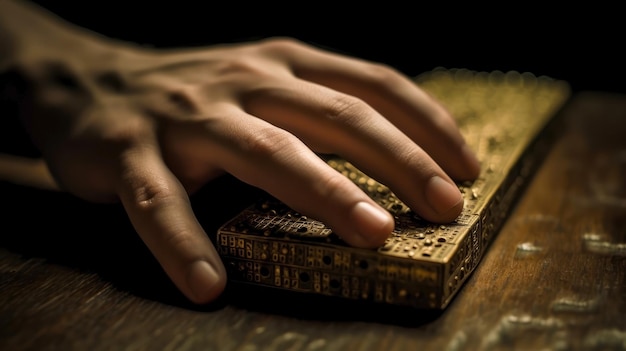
<point>74,276</point>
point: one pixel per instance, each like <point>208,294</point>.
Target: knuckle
<point>240,66</point>
<point>381,77</point>
<point>148,196</point>
<point>266,142</point>
<point>345,109</point>
<point>281,45</point>
<point>121,133</point>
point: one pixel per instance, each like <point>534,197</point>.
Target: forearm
<point>29,32</point>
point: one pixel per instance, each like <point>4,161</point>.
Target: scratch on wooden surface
<point>597,243</point>
<point>540,217</point>
<point>510,326</point>
<point>527,249</point>
<point>572,304</point>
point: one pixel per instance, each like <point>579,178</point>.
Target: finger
<point>397,98</point>
<point>26,171</point>
<point>270,158</point>
<point>332,122</point>
<point>160,211</point>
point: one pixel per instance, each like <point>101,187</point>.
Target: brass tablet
<point>505,119</point>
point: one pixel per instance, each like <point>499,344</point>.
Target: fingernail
<point>442,196</point>
<point>373,224</point>
<point>204,281</point>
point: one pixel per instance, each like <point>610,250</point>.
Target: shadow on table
<point>99,238</point>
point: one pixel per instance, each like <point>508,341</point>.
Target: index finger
<point>159,209</point>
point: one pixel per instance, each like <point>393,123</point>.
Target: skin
<point>118,122</point>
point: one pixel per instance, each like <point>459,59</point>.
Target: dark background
<point>581,45</point>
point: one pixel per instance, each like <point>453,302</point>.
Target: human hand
<point>149,127</point>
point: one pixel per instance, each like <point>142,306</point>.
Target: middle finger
<point>329,121</point>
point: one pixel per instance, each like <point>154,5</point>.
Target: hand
<point>149,127</point>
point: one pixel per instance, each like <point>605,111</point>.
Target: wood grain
<point>74,276</point>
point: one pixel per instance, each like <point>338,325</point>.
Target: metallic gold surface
<point>504,118</point>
